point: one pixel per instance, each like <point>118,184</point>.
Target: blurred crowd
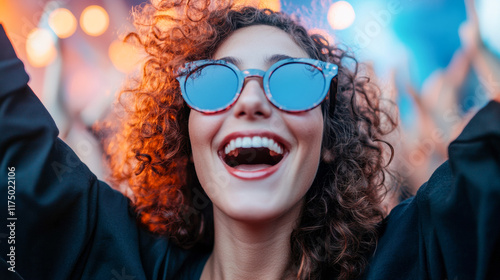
<point>442,109</point>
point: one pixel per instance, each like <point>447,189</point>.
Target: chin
<point>256,208</point>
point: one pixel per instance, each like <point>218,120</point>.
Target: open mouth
<point>252,153</point>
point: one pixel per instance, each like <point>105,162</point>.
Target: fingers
<point>470,9</point>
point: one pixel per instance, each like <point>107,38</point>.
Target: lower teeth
<point>252,167</point>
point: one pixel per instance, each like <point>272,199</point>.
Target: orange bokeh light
<point>94,20</point>
<point>62,22</point>
<point>274,5</point>
<point>40,47</point>
<point>125,57</point>
<point>341,15</point>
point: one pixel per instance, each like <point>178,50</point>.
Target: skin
<point>254,218</point>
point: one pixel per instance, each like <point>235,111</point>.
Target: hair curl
<point>149,150</point>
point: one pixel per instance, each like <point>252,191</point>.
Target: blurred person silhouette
<point>440,108</point>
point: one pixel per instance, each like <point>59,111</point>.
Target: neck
<point>250,250</point>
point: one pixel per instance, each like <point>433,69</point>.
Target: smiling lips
<point>252,156</point>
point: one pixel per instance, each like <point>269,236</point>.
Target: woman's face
<point>260,183</point>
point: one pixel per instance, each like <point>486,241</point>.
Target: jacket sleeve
<point>58,220</point>
<point>451,228</point>
<point>460,221</point>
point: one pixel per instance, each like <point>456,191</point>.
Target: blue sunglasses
<point>291,85</point>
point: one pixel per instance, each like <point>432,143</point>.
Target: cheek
<point>307,128</point>
<point>310,140</point>
<point>202,129</point>
<point>196,132</point>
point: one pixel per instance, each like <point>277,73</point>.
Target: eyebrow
<point>275,58</point>
<point>270,60</point>
<point>231,59</point>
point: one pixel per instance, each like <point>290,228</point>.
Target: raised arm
<point>463,219</point>
<point>451,228</point>
<point>58,220</point>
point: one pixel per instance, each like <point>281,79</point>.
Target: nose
<point>252,102</point>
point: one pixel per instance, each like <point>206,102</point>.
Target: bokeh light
<point>94,20</point>
<point>40,47</point>
<point>341,15</point>
<point>489,21</point>
<point>125,57</point>
<point>274,5</point>
<point>62,22</point>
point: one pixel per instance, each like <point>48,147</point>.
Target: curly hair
<point>149,149</point>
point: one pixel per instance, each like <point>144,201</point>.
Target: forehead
<point>254,44</point>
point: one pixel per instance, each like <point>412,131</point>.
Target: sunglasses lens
<point>297,86</point>
<point>211,88</point>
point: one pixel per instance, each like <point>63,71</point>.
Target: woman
<point>260,201</point>
<point>305,205</point>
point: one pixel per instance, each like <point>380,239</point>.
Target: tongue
<point>252,167</point>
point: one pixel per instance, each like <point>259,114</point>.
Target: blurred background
<point>437,59</point>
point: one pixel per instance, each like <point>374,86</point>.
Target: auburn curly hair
<point>148,146</point>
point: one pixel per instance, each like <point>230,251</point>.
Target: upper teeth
<point>253,142</point>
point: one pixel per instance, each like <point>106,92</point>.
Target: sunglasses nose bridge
<point>253,73</point>
<point>253,101</point>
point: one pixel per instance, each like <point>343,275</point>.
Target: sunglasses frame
<point>329,71</point>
